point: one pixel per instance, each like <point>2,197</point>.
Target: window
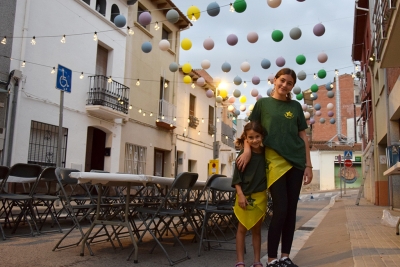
<point>164,88</point>
<point>141,9</point>
<point>357,99</point>
<point>43,144</point>
<point>87,2</point>
<point>211,125</point>
<point>101,61</point>
<point>192,105</point>
<point>192,165</point>
<point>114,12</point>
<point>165,34</point>
<point>101,6</point>
<point>135,159</point>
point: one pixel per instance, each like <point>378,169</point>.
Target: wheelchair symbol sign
<point>64,77</point>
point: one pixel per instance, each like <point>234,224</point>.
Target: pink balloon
<point>254,92</point>
<point>258,97</point>
<point>232,39</point>
<point>145,18</point>
<point>200,81</point>
<point>231,99</point>
<point>271,78</point>
<point>210,93</point>
<point>252,37</point>
<point>319,29</point>
<point>208,44</point>
<point>318,112</point>
<point>322,57</point>
<point>255,80</point>
<point>330,113</point>
<point>280,62</point>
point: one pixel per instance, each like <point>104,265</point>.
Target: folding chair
<point>46,199</point>
<point>219,217</point>
<point>159,220</point>
<point>76,210</point>
<point>20,174</point>
<point>4,171</point>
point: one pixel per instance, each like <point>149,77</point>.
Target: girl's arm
<point>242,198</point>
<point>245,157</point>
<point>308,174</point>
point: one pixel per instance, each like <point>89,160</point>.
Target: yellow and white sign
<point>213,167</point>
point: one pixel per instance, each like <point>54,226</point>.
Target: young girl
<point>251,197</point>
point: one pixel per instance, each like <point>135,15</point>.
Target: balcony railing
<point>193,121</point>
<point>227,135</point>
<point>211,129</point>
<point>166,112</point>
<point>381,18</point>
<point>108,94</point>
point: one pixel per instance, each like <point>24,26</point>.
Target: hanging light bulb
<point>184,129</point>
<point>233,118</point>
<point>33,41</point>
<point>198,133</point>
<point>140,110</point>
<point>226,137</point>
<point>81,76</point>
<point>202,120</point>
<point>171,125</point>
<point>130,106</point>
<point>165,85</point>
<point>157,120</point>
<point>315,76</point>
<point>212,135</point>
<point>162,117</point>
<point>188,119</point>
<point>122,102</point>
<point>151,114</point>
<point>138,82</point>
<point>217,119</point>
<point>336,72</point>
<point>63,40</point>
<point>156,27</point>
<point>372,58</point>
<point>130,31</point>
<point>193,19</point>
<point>23,64</point>
<point>193,86</point>
<point>311,95</point>
<point>53,70</point>
<point>269,82</point>
<point>231,8</point>
<point>356,67</point>
<point>174,118</point>
<point>109,79</point>
<point>4,41</point>
<point>95,36</point>
<point>331,86</point>
<point>144,114</point>
<point>353,75</point>
<point>244,84</point>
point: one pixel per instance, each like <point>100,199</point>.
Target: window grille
<point>135,159</point>
<point>43,144</point>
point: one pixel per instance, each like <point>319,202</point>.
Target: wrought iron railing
<point>106,92</point>
<point>166,112</point>
<point>227,135</point>
<point>381,18</point>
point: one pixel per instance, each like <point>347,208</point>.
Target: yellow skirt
<point>254,211</point>
<point>276,166</point>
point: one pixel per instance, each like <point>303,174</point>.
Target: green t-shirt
<point>252,179</point>
<point>282,121</point>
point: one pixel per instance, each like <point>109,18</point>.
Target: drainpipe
<point>361,8</point>
<point>388,137</point>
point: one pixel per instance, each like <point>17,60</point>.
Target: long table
<point>121,179</point>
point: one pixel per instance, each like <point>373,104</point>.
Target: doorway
<point>95,149</point>
<point>158,163</point>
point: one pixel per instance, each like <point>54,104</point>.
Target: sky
<point>337,17</point>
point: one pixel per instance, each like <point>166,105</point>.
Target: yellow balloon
<point>242,99</point>
<point>193,11</point>
<point>186,68</point>
<point>223,93</point>
<point>187,79</point>
<point>186,44</point>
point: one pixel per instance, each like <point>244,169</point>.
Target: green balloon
<point>314,88</point>
<point>321,74</point>
<point>239,6</point>
<point>277,35</point>
<point>299,96</point>
<point>300,59</point>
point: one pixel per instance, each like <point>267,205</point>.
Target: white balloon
<point>245,66</point>
<point>307,115</point>
<point>251,107</point>
<point>231,108</point>
<point>304,106</point>
<point>205,64</point>
<point>329,106</point>
<point>164,45</point>
<point>242,107</point>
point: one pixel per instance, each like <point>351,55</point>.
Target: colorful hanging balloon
<point>226,67</point>
<point>255,80</point>
<point>186,68</point>
<point>243,99</point>
<point>300,59</point>
<point>146,47</point>
<point>301,75</point>
<point>187,79</point>
<point>322,57</point>
<point>213,9</point>
<point>295,33</point>
<point>164,45</point>
<point>274,3</point>
<point>120,21</point>
<point>319,29</point>
<point>144,18</point>
<point>314,88</point>
<point>277,35</point>
<point>237,80</point>
<point>245,66</point>
<point>200,81</point>
<point>240,6</point>
<point>186,44</point>
<point>236,93</point>
<point>280,62</point>
<point>232,39</point>
<point>205,64</point>
<point>252,37</point>
<point>254,92</point>
<point>209,93</point>
<point>193,11</point>
<point>321,74</point>
<point>208,44</point>
<point>173,66</point>
<point>265,63</point>
<point>172,16</point>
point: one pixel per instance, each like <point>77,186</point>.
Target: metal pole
<point>215,156</point>
<point>60,132</point>
<point>338,107</point>
<point>355,124</point>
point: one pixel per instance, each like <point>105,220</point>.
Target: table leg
<point>135,248</point>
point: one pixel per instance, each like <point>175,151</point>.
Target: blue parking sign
<point>64,78</point>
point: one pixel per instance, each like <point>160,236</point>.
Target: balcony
<point>166,115</point>
<point>227,135</point>
<point>193,121</point>
<point>107,99</point>
<point>211,129</point>
<point>386,19</point>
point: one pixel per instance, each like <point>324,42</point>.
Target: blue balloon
<point>237,80</point>
<point>120,21</point>
<point>328,86</point>
<point>265,63</point>
<point>146,47</point>
<point>314,96</point>
<point>317,106</point>
<point>213,9</point>
<point>332,121</point>
<point>226,67</point>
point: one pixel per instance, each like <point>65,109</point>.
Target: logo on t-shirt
<point>289,115</point>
